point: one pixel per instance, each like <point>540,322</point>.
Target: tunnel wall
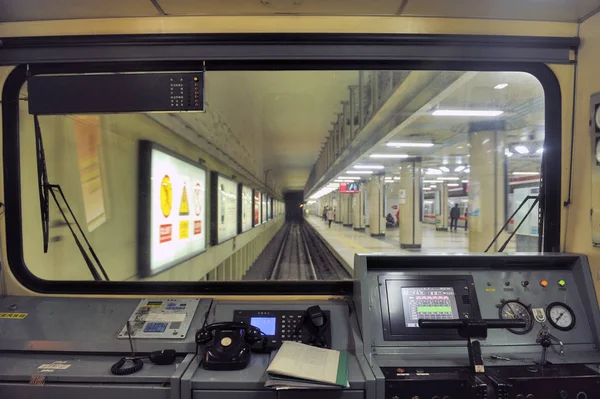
<point>115,240</point>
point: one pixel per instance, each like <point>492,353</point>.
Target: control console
<point>480,326</point>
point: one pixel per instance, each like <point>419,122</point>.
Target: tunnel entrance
<point>294,206</point>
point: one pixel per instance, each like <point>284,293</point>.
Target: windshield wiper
<point>47,189</point>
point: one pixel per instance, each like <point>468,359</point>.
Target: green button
<point>562,283</point>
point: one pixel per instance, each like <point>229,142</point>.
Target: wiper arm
<point>55,188</point>
<point>45,189</point>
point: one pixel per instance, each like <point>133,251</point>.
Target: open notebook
<point>299,366</point>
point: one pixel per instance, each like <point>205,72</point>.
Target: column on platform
<point>343,208</point>
<point>347,215</point>
<point>409,202</point>
<point>392,188</point>
<point>358,218</point>
<point>441,206</point>
<point>487,185</point>
<point>336,207</point>
<point>376,219</point>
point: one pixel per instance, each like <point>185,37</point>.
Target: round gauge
<point>597,117</point>
<point>560,316</point>
<point>516,310</point>
<point>598,149</point>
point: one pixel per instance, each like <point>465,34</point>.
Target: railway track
<point>303,255</point>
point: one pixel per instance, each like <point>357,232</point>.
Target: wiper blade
<point>45,189</point>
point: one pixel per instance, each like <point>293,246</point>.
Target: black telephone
<point>310,326</point>
<point>227,345</point>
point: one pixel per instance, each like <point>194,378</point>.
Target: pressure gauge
<point>597,117</point>
<point>597,147</point>
<point>510,310</point>
<point>560,316</point>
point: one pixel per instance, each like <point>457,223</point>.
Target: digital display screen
<point>172,209</point>
<point>265,324</point>
<point>431,303</point>
<point>349,187</point>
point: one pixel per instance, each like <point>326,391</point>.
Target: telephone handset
<point>317,323</point>
<point>227,344</point>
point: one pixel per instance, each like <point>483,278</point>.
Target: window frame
<point>319,60</point>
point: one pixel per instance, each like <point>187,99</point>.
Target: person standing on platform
<point>330,216</point>
<point>454,215</point>
<point>466,218</point>
<point>325,213</point>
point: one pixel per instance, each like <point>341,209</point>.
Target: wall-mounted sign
<point>171,209</point>
<point>224,208</point>
<point>246,216</point>
<point>256,208</point>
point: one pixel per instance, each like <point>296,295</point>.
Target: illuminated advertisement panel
<point>171,209</point>
<point>256,207</point>
<point>246,217</point>
<point>264,208</point>
<point>224,208</point>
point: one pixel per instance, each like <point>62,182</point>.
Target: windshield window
<point>285,175</point>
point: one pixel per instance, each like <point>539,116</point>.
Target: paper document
<point>295,362</point>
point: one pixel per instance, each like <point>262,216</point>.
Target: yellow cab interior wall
<point>293,24</point>
<point>579,233</point>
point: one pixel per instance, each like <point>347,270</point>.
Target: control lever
<point>472,329</point>
<point>545,339</point>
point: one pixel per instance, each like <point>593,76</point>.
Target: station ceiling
<point>542,10</point>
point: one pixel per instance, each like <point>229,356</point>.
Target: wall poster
<point>246,217</point>
<point>224,208</point>
<point>171,209</point>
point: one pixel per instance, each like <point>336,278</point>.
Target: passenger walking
<point>330,216</point>
<point>325,213</point>
<point>466,218</point>
<point>454,215</point>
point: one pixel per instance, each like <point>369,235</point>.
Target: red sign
<point>166,233</point>
<point>348,188</point>
<point>394,207</point>
<point>197,227</point>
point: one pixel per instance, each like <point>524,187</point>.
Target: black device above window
<point>406,299</point>
<point>116,93</point>
<point>310,326</point>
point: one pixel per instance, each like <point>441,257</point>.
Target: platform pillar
<point>358,219</point>
<point>487,185</point>
<point>337,207</point>
<point>376,218</point>
<point>441,207</point>
<point>347,210</point>
<point>409,202</point>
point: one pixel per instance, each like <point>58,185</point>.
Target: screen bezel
<point>462,285</point>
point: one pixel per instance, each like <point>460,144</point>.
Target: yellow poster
<point>184,229</point>
<point>166,196</point>
<point>184,208</point>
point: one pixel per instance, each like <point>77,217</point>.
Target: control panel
<point>507,327</point>
<point>283,325</point>
<point>167,318</point>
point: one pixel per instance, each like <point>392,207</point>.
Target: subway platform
<point>344,242</point>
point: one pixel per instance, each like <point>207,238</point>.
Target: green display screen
<point>434,309</point>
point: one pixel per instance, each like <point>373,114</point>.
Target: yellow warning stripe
<point>351,244</point>
<point>13,315</point>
